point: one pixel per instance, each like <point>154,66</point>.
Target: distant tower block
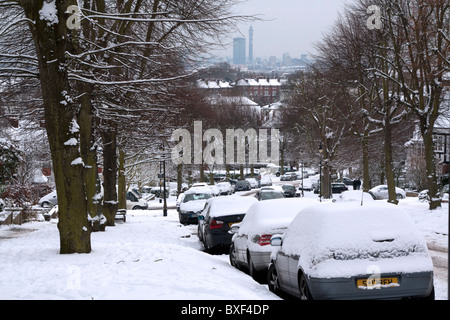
<point>250,52</point>
<point>239,51</point>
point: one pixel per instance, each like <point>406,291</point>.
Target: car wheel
<point>232,256</point>
<point>399,196</point>
<point>272,279</point>
<point>305,294</point>
<point>136,208</point>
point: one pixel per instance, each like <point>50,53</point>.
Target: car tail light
<point>264,240</point>
<point>215,224</point>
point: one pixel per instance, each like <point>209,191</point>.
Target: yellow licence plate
<point>377,283</point>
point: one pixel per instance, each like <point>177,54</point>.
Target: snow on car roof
<point>355,195</point>
<point>264,216</point>
<point>198,190</point>
<point>229,205</point>
<point>344,239</point>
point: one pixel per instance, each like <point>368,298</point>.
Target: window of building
<point>438,143</point>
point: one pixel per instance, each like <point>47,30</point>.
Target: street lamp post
<point>320,172</point>
<point>164,183</point>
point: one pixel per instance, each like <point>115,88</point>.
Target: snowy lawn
<point>148,257</point>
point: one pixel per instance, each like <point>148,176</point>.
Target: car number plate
<point>377,283</point>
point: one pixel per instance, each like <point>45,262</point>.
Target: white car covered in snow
<point>193,203</point>
<point>250,248</point>
<point>49,200</point>
<point>348,251</point>
<point>381,192</point>
<point>225,188</point>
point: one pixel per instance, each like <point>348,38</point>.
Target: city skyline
<point>288,26</point>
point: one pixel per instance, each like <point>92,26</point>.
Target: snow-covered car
<point>193,203</point>
<point>135,201</point>
<point>355,196</point>
<point>199,184</point>
<point>49,200</point>
<point>381,192</point>
<point>225,188</point>
<point>288,176</point>
<point>288,190</point>
<point>253,182</point>
<point>265,181</point>
<point>179,200</point>
<point>215,190</point>
<point>348,251</point>
<point>337,187</point>
<point>307,186</point>
<point>242,185</point>
<point>250,248</point>
<point>443,193</point>
<point>217,218</point>
<point>269,194</point>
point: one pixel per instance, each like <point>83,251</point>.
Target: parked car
<point>355,196</point>
<point>288,176</point>
<point>302,175</point>
<point>217,218</point>
<point>307,186</point>
<point>250,248</point>
<point>193,203</point>
<point>135,202</point>
<point>225,188</point>
<point>288,190</point>
<point>265,181</point>
<point>269,194</point>
<point>253,182</point>
<point>179,200</point>
<point>381,192</point>
<point>242,185</point>
<point>2,204</point>
<point>337,187</point>
<point>329,252</point>
<point>346,181</point>
<point>199,184</point>
<point>49,200</point>
<point>443,193</point>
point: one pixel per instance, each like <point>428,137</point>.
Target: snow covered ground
<point>148,257</point>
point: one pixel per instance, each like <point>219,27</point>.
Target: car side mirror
<point>276,240</point>
<point>234,228</point>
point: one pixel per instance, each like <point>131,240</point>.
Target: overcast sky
<point>293,27</point>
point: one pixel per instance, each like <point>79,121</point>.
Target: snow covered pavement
<point>148,257</point>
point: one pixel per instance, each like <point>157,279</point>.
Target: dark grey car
<point>346,252</point>
<point>218,216</point>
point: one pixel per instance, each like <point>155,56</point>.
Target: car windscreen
<point>196,196</point>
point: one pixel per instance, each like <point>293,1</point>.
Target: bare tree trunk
<point>366,170</point>
<point>63,132</point>
<point>388,160</point>
<point>430,165</point>
<point>110,203</point>
<point>122,188</point>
